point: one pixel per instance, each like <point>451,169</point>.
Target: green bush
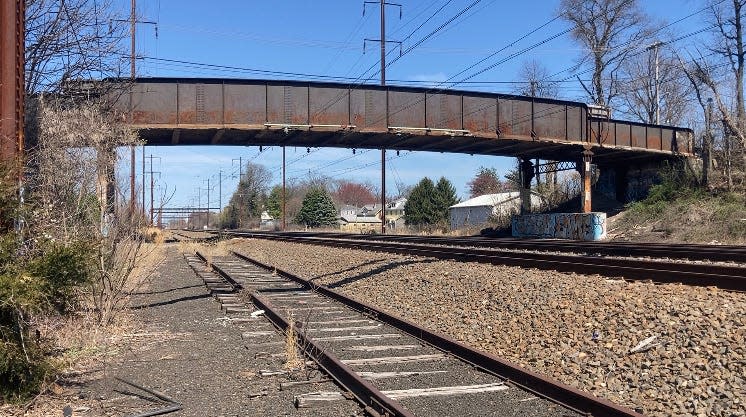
<point>32,284</point>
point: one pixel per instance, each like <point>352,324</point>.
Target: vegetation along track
<point>728,277</point>
<point>394,366</point>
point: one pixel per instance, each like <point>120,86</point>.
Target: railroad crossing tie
<point>315,398</point>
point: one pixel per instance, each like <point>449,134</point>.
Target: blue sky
<point>326,38</point>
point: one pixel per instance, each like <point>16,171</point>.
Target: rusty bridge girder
<point>184,111</point>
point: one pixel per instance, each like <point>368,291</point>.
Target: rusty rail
<point>531,381</point>
<point>722,276</point>
<point>725,253</point>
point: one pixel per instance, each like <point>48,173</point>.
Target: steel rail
<point>531,381</point>
<point>726,277</point>
<point>725,253</point>
<point>374,401</point>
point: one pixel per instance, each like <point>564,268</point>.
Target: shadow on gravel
<point>352,268</point>
<point>381,269</point>
<point>173,301</point>
<point>168,290</point>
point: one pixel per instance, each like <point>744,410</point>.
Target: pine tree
<point>317,210</point>
<point>274,202</point>
<point>445,197</point>
<point>420,207</point>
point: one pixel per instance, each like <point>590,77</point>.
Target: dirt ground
<point>178,342</point>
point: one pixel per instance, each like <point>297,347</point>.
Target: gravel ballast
<point>578,329</point>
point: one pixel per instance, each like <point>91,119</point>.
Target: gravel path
<point>186,349</point>
<point>578,329</point>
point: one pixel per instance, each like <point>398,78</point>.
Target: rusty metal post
<point>283,189</point>
<point>527,171</point>
<point>12,92</point>
<point>585,174</point>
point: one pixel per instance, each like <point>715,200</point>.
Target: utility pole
<point>133,26</point>
<point>283,190</point>
<point>220,190</point>
<point>152,184</point>
<point>655,46</point>
<point>382,5</point>
<point>208,202</point>
<point>133,22</point>
<point>143,181</point>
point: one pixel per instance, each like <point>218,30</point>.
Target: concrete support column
<point>527,174</point>
<point>585,175</point>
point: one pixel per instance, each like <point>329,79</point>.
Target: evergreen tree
<point>445,197</point>
<point>317,210</point>
<point>274,202</point>
<point>420,207</point>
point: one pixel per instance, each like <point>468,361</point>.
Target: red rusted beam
<point>11,78</point>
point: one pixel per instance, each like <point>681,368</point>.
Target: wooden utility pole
<point>382,4</point>
<point>133,25</point>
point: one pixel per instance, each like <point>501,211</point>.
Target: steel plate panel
<point>245,104</point>
<point>549,121</point>
<point>575,124</point>
<point>153,103</point>
<point>655,138</point>
<point>480,115</point>
<point>187,103</point>
<point>622,137</point>
<point>443,111</point>
<point>638,136</point>
<point>406,109</point>
<point>210,104</point>
<point>368,109</point>
<point>287,104</point>
<point>605,133</point>
<point>329,106</point>
<point>515,118</point>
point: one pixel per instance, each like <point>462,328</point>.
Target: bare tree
<point>72,175</point>
<point>535,80</point>
<point>727,20</point>
<point>609,30</point>
<point>71,40</point>
<point>639,91</point>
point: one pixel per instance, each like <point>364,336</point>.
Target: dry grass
<point>293,359</point>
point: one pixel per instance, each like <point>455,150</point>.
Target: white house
<point>478,210</point>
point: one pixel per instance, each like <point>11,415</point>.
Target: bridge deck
<point>171,111</point>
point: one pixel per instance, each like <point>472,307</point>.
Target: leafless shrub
<point>73,193</point>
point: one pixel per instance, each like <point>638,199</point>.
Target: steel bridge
<point>209,111</point>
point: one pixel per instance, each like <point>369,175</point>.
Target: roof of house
<point>490,200</point>
<point>361,219</point>
<point>397,204</point>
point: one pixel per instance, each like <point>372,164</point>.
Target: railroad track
<point>720,253</point>
<point>728,277</point>
<point>391,366</point>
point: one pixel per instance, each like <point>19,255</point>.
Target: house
<point>395,214</point>
<point>480,209</point>
<point>362,220</point>
<point>266,222</point>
